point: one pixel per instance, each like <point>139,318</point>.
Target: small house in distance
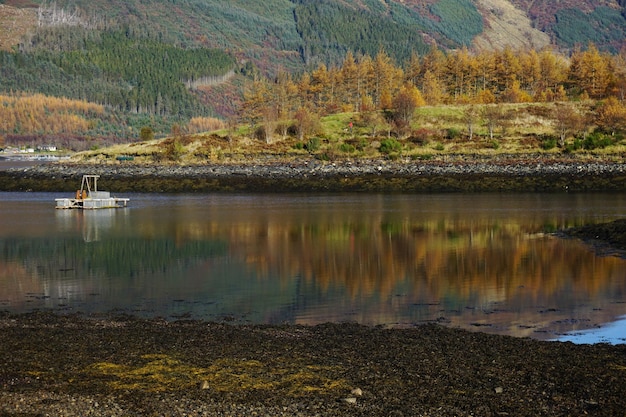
<point>47,148</point>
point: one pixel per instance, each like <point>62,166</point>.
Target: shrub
<point>597,140</point>
<point>260,133</point>
<point>358,143</point>
<point>548,143</point>
<point>421,136</point>
<point>313,144</point>
<point>146,133</point>
<point>574,146</point>
<point>347,148</point>
<point>453,133</point>
<point>422,157</point>
<point>390,145</point>
<point>174,149</point>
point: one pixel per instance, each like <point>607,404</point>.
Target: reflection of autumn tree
<point>15,280</point>
<point>375,258</point>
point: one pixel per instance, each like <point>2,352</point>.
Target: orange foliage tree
<point>363,84</point>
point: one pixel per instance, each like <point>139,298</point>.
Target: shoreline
<point>453,174</point>
<point>105,365</point>
<point>108,366</point>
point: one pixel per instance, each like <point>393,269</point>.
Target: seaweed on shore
<point>75,365</point>
<point>611,234</point>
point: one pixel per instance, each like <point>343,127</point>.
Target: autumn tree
<point>461,72</point>
<point>432,89</point>
<point>322,87</point>
<point>404,105</point>
<point>365,82</point>
<point>307,123</point>
<point>349,83</point>
<point>590,71</point>
<point>470,117</point>
<point>269,116</point>
<point>553,72</point>
<point>386,80</point>
<point>530,74</point>
<point>374,121</point>
<point>285,95</point>
<point>413,69</point>
<point>515,94</point>
<point>611,116</point>
<point>433,76</point>
<point>507,69</point>
<point>567,121</point>
<point>618,88</point>
<point>256,98</point>
<point>493,116</point>
<point>485,69</point>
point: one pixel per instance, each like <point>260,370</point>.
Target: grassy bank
<point>435,133</point>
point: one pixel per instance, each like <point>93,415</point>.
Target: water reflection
<point>93,224</point>
<point>482,262</point>
<point>613,333</point>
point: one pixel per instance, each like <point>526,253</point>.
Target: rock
<point>349,400</point>
<point>356,392</point>
<point>499,390</point>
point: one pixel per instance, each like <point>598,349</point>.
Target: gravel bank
<point>450,174</point>
<point>111,366</point>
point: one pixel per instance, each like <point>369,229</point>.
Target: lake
<point>484,262</point>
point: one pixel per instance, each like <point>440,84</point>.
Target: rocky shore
<point>607,238</point>
<point>452,173</point>
<point>112,366</point>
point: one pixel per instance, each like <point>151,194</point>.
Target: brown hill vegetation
<point>543,12</point>
<point>15,23</point>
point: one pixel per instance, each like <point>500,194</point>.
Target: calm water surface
<point>485,262</point>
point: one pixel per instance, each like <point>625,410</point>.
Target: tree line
<point>365,84</point>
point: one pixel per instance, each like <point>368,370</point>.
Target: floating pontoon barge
<point>88,197</point>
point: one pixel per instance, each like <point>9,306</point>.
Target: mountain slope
<point>15,23</point>
<point>297,32</point>
<point>69,47</point>
<point>578,22</point>
<point>507,25</point>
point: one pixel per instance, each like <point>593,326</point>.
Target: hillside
<point>524,131</point>
<point>161,63</point>
<point>507,25</point>
<point>15,23</point>
<point>292,33</point>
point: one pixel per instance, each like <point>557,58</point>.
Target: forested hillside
<point>162,63</point>
<point>572,22</point>
<point>116,69</point>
